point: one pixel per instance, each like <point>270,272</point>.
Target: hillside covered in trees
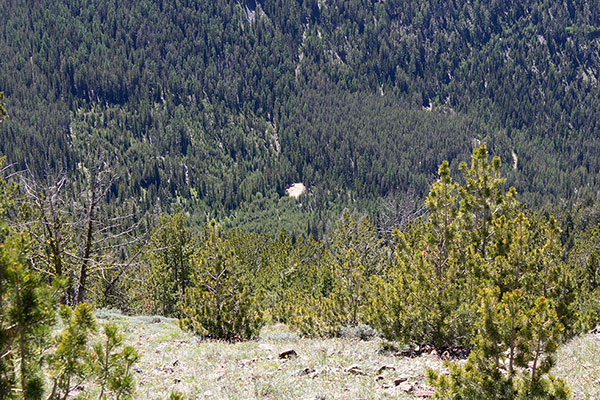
<point>449,151</point>
<point>215,108</point>
<point>480,278</point>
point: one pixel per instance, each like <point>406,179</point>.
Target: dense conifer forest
<point>448,150</point>
<point>216,108</point>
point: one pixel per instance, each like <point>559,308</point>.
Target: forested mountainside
<point>216,107</point>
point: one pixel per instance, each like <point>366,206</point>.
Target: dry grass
<point>174,360</point>
<point>579,362</point>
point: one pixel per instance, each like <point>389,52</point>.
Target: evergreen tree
<point>584,260</point>
<point>483,199</point>
<point>356,254</point>
<point>219,303</point>
<point>477,236</point>
<point>428,293</point>
<point>26,310</point>
<point>113,369</point>
<point>513,353</point>
<point>69,362</point>
<point>168,258</point>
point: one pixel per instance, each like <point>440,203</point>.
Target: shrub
<point>477,236</point>
<point>113,368</point>
<point>513,353</point>
<point>362,332</point>
<point>584,260</point>
<point>219,303</point>
<point>168,256</point>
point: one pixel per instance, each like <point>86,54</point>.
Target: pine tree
<point>113,369</point>
<point>584,261</point>
<point>476,236</point>
<point>219,303</point>
<point>26,310</point>
<point>427,296</point>
<point>355,255</point>
<point>69,361</point>
<point>513,353</point>
<point>168,257</point>
<point>483,199</point>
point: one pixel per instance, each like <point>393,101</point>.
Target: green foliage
<point>75,360</point>
<point>483,199</point>
<point>300,280</point>
<point>219,303</point>
<point>168,259</point>
<point>427,295</point>
<point>69,362</point>
<point>320,287</point>
<point>225,101</point>
<point>3,113</point>
<point>26,318</point>
<point>513,353</point>
<point>26,315</point>
<point>26,310</point>
<point>476,236</point>
<point>356,253</point>
<point>113,369</point>
<point>584,260</point>
<point>8,192</point>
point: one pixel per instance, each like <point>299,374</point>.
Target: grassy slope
<point>176,360</point>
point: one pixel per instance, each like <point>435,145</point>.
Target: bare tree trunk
<point>77,237</point>
<point>46,198</point>
<point>87,247</point>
